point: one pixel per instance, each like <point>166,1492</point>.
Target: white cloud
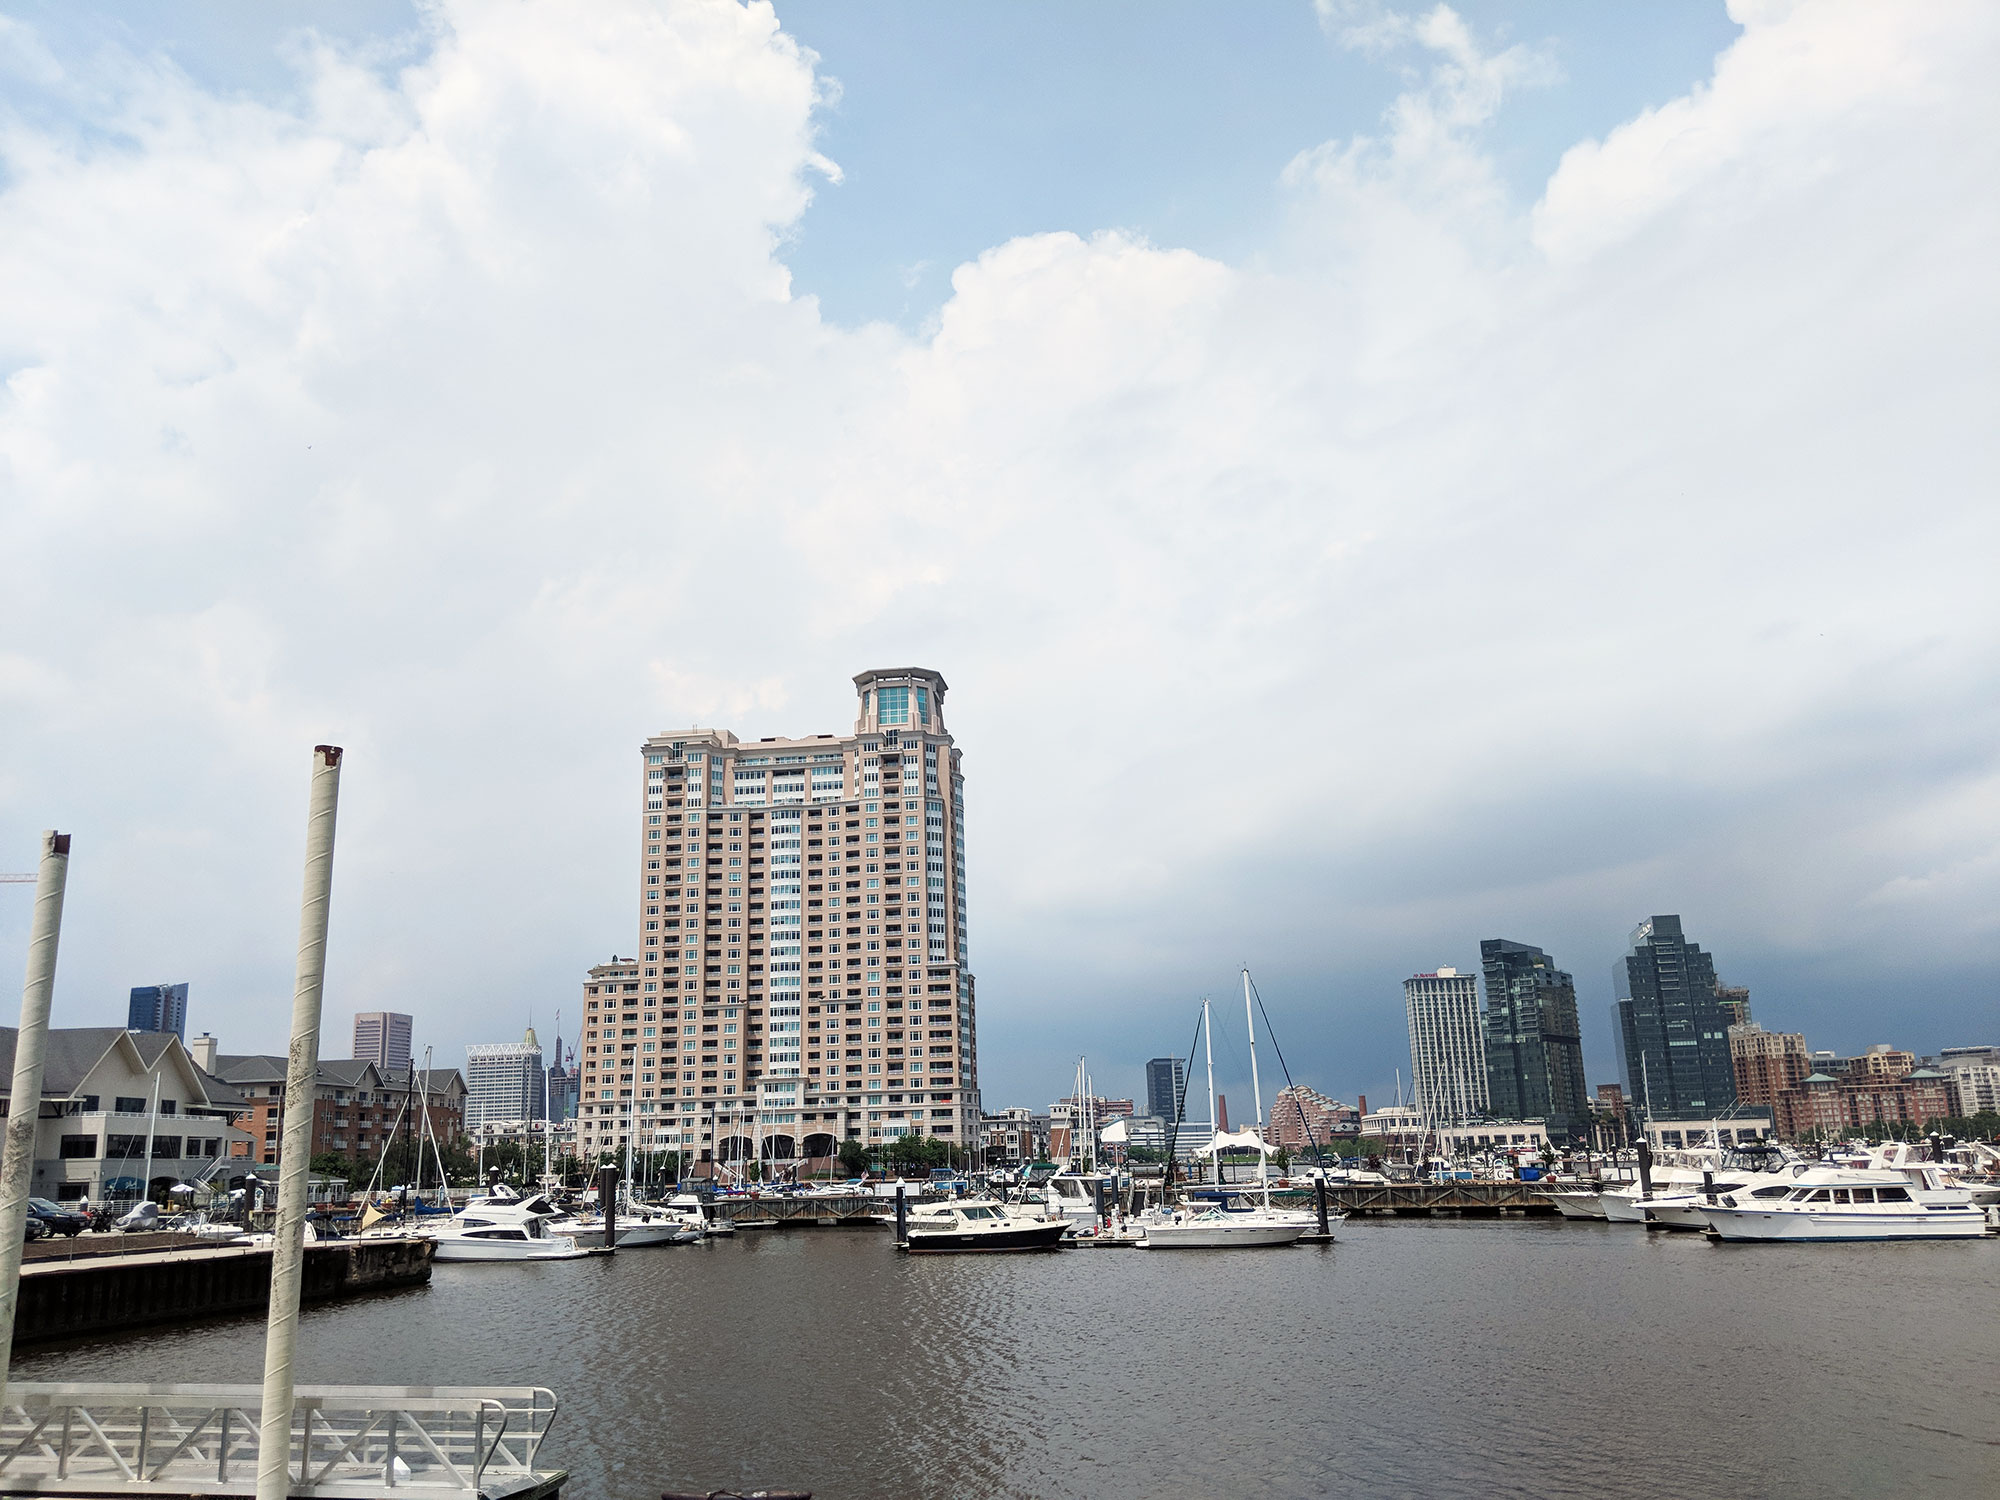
<point>1453,567</point>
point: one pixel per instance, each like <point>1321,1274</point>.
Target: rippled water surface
<point>1414,1358</point>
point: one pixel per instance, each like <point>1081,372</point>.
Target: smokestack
<point>1364,1103</point>
<point>1222,1113</point>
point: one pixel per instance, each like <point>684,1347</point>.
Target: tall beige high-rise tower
<point>802,976</point>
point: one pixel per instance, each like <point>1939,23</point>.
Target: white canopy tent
<point>1235,1140</point>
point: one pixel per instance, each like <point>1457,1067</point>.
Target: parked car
<point>35,1229</point>
<point>56,1219</point>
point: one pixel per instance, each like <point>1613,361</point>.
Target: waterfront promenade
<point>1415,1357</point>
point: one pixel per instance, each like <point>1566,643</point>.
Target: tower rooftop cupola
<point>909,698</point>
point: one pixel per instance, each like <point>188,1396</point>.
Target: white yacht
<point>1739,1172</point>
<point>973,1225</point>
<point>491,1229</point>
<point>1623,1204</point>
<point>1913,1202</point>
<point>1213,1229</point>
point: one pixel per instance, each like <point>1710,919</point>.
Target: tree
<point>853,1158</point>
<point>332,1164</point>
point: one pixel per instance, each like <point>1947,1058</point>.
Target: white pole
<point>1208,1042</point>
<point>152,1119</point>
<point>17,1164</point>
<point>1256,1089</point>
<point>274,1436</point>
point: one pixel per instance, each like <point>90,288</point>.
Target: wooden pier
<point>99,1293</point>
<point>853,1212</point>
<point>1420,1199</point>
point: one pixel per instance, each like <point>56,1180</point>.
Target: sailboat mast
<point>1256,1089</point>
<point>1208,1043</point>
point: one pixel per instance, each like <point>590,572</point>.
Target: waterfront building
<point>355,1106</point>
<point>124,1114</point>
<point>1739,1129</point>
<point>1103,1110</point>
<point>505,1081</point>
<point>159,1007</point>
<point>383,1038</point>
<point>1014,1137</point>
<point>1973,1074</point>
<point>1829,1106</point>
<point>1150,1133</point>
<point>1166,1082</point>
<point>1401,1128</point>
<point>1303,1118</point>
<point>1766,1063</point>
<point>1534,1042</point>
<point>1674,1030</point>
<point>1486,1137</point>
<point>1447,1051</point>
<point>803,951</point>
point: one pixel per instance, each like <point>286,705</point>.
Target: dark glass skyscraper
<point>1534,1044</point>
<point>1166,1077</point>
<point>1674,1026</point>
<point>159,1007</point>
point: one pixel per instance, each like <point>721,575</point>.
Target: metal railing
<point>347,1441</point>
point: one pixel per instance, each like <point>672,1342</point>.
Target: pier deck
<point>100,1293</point>
<point>1415,1199</point>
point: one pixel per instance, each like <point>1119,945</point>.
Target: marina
<point>1416,1356</point>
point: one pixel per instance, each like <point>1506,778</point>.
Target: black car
<point>56,1219</point>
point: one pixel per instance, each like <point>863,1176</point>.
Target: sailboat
<point>1080,1193</point>
<point>1216,1228</point>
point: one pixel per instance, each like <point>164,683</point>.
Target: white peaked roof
<point>1114,1133</point>
<point>1235,1140</point>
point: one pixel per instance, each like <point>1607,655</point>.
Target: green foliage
<point>1145,1155</point>
<point>853,1158</point>
<point>918,1153</point>
<point>332,1164</point>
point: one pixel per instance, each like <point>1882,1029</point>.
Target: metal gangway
<point>358,1442</point>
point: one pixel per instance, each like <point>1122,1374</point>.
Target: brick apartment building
<point>1303,1117</point>
<point>354,1107</point>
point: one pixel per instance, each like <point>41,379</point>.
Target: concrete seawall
<point>105,1293</point>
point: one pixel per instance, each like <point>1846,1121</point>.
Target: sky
<point>1374,478</point>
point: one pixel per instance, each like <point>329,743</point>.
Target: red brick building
<point>1827,1106</point>
<point>1302,1117</point>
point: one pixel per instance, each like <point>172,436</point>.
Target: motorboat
<point>694,1214</point>
<point>493,1230</point>
<point>1577,1203</point>
<point>638,1227</point>
<point>1622,1205</point>
<point>1216,1229</point>
<point>1073,1196</point>
<point>1917,1201</point>
<point>974,1225</point>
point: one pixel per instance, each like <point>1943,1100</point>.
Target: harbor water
<point>1413,1358</point>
